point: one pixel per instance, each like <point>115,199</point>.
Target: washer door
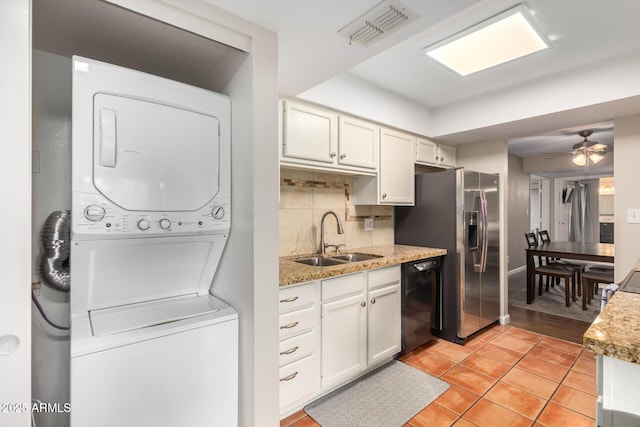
<point>154,157</point>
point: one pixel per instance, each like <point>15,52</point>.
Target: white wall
<point>15,209</point>
<point>492,157</point>
<point>518,213</point>
<point>610,80</point>
<point>627,177</point>
<point>51,192</point>
<point>248,274</point>
<point>350,94</point>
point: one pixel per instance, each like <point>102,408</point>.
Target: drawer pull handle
<point>292,299</point>
<point>363,304</point>
<point>373,301</point>
<point>290,325</point>
<point>289,377</point>
<point>291,350</point>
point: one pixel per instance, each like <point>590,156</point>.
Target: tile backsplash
<point>305,196</point>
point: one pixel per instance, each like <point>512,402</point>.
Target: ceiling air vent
<point>380,21</point>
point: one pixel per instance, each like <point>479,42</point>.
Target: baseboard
<point>505,320</point>
<point>517,270</point>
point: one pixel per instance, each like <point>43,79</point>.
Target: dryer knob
<point>217,212</point>
<point>144,224</point>
<point>94,212</point>
<point>165,224</point>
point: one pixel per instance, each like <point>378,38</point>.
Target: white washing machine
<point>151,208</point>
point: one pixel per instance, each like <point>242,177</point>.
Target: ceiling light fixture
<point>587,151</point>
<point>503,38</point>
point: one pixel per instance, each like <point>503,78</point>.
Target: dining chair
<point>603,268</point>
<point>580,267</point>
<point>590,280</point>
<point>554,271</point>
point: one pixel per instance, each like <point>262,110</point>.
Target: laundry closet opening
<point>103,31</point>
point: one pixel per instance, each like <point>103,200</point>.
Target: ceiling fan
<point>588,150</point>
<point>585,152</point>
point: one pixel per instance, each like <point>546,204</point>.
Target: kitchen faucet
<point>323,245</point>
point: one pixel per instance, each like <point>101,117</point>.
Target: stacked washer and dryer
<point>151,208</point>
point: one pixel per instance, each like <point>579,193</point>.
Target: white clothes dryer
<point>151,212</point>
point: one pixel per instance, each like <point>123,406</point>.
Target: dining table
<point>582,251</point>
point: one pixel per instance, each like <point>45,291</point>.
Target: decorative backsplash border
<point>328,185</point>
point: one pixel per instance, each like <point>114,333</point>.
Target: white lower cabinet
<point>299,340</point>
<point>350,327</point>
<point>383,327</point>
<point>344,335</point>
<point>360,328</point>
<point>297,381</point>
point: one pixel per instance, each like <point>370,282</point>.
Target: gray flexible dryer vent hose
<point>56,246</point>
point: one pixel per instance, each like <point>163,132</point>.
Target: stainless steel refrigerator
<point>458,210</point>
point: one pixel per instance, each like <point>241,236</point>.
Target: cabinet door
<point>396,168</point>
<point>358,143</point>
<point>426,151</point>
<point>446,155</point>
<point>309,133</point>
<point>343,339</point>
<point>297,382</point>
<point>384,323</point>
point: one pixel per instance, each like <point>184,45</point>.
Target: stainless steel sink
<point>356,256</point>
<point>320,261</point>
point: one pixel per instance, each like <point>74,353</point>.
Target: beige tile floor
<point>505,376</point>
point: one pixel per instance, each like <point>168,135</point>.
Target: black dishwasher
<point>421,302</point>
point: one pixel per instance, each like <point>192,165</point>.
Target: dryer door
<point>154,157</point>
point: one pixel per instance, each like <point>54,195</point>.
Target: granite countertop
<point>616,330</point>
<point>292,272</point>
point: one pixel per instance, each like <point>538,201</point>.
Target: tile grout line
<point>537,343</point>
<point>498,380</point>
<point>556,390</point>
<point>547,401</point>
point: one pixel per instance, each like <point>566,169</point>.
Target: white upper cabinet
<point>446,155</point>
<point>394,184</point>
<point>309,133</point>
<point>432,154</point>
<point>319,139</point>
<point>359,143</point>
<point>426,151</point>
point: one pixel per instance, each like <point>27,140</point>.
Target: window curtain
<point>580,215</point>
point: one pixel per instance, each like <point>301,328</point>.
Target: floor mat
<point>387,397</point>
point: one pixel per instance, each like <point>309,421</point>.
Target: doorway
<point>539,203</point>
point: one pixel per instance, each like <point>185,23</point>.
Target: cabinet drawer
<point>295,297</point>
<point>384,276</point>
<point>297,381</point>
<point>342,286</point>
<point>297,347</point>
<point>296,322</point>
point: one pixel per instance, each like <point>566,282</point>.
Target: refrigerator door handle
<point>481,237</point>
<point>484,232</point>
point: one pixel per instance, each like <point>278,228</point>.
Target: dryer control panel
<point>94,217</point>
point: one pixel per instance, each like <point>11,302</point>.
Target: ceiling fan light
<point>595,158</point>
<point>580,160</point>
